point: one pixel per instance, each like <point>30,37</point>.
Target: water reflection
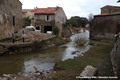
<point>68,53</point>
<point>43,60</point>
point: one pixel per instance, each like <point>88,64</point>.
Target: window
<point>48,18</point>
<point>13,20</point>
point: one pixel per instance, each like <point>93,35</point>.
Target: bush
<point>26,21</point>
<point>56,30</point>
<point>80,41</point>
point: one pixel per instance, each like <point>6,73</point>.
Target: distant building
<point>108,9</point>
<point>27,13</point>
<point>107,23</point>
<point>10,17</point>
<point>46,19</point>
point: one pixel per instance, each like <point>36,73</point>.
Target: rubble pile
<point>25,76</point>
<point>37,36</point>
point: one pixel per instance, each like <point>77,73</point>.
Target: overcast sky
<point>80,8</point>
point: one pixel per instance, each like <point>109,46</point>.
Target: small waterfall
<point>85,35</point>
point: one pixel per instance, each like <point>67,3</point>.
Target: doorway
<point>47,28</point>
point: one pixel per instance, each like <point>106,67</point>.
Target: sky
<point>80,8</point>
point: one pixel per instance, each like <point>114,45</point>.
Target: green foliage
<point>77,21</point>
<point>56,30</point>
<point>80,41</point>
<point>26,21</point>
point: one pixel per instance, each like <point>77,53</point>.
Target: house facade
<point>46,19</point>
<point>107,23</point>
<point>10,17</point>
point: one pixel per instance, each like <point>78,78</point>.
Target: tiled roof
<point>46,10</point>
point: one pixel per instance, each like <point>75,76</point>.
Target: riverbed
<point>43,60</point>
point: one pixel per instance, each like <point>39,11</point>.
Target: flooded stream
<point>43,60</point>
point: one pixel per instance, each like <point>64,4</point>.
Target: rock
<point>4,78</point>
<point>6,75</point>
<point>37,74</point>
<point>0,78</point>
<point>88,71</point>
<point>54,72</point>
<point>74,52</point>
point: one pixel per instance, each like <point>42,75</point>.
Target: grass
<point>96,56</point>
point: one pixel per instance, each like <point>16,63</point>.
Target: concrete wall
<point>8,9</point>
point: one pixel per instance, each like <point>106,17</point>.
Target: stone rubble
<point>25,76</point>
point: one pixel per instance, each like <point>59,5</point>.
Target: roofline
<point>111,6</point>
<point>106,15</point>
<point>20,2</point>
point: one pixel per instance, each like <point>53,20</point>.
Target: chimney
<point>57,7</point>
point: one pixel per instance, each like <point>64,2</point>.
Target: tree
<point>90,19</point>
<point>74,21</point>
<point>77,21</point>
<point>56,30</point>
<point>26,21</point>
<point>83,21</point>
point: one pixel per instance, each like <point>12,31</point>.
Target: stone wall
<point>115,56</point>
<point>25,47</point>
<point>110,9</point>
<point>10,17</point>
<point>60,19</point>
<point>41,22</point>
<point>106,25</point>
<point>57,19</point>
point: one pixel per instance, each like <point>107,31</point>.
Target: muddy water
<point>43,60</point>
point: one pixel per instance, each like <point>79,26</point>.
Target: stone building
<point>108,9</point>
<point>47,18</point>
<point>107,23</point>
<point>10,17</point>
<point>27,12</point>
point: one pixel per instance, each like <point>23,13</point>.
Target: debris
<point>35,68</point>
<point>88,71</point>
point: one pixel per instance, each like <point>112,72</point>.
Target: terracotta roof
<point>46,10</point>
